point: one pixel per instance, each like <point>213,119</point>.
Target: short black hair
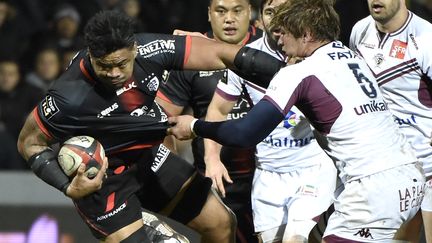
<point>211,1</point>
<point>109,31</point>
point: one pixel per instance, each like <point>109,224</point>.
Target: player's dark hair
<point>262,3</point>
<point>316,16</point>
<point>210,2</point>
<point>109,31</point>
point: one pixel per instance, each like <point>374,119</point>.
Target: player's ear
<point>135,49</point>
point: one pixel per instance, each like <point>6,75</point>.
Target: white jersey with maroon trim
<point>292,144</point>
<point>401,62</point>
<point>337,92</point>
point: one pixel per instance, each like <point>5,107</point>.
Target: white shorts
<point>373,208</point>
<point>295,199</point>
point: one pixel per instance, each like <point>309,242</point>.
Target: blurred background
<point>38,38</point>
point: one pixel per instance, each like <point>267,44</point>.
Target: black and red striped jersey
<point>122,119</point>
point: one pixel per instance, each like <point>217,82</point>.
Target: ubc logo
<point>153,84</point>
<point>291,120</point>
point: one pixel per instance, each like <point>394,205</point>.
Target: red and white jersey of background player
<point>402,64</point>
<point>291,145</point>
<point>336,91</point>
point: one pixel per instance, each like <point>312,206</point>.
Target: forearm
<point>250,64</point>
<point>33,146</point>
<point>245,132</point>
<point>256,66</point>
<point>218,110</point>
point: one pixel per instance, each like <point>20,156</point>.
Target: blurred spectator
<point>66,58</point>
<point>46,69</point>
<point>13,34</point>
<point>64,34</point>
<point>66,26</point>
<point>132,8</point>
<point>17,99</point>
<point>88,8</point>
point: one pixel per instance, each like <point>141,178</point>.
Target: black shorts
<point>151,183</point>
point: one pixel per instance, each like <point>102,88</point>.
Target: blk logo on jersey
<point>49,107</point>
<point>398,49</point>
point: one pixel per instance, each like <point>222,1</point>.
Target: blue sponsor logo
<point>287,142</point>
<point>291,120</point>
<point>405,121</point>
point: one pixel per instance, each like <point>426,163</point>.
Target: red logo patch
<point>398,49</point>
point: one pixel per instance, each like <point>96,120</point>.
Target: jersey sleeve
<point>284,92</point>
<point>170,51</point>
<point>357,33</point>
<point>425,53</point>
<point>231,87</point>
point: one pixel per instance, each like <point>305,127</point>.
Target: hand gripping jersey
<point>401,62</point>
<point>292,144</point>
<point>195,89</point>
<point>123,119</point>
<point>336,91</point>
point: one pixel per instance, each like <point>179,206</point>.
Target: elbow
<point>21,145</point>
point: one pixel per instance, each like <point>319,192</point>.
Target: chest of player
<point>394,61</point>
<point>135,98</point>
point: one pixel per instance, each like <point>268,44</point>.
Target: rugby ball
<point>81,149</point>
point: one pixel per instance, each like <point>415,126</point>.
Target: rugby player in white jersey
<point>338,94</point>
<point>289,160</point>
<point>396,45</point>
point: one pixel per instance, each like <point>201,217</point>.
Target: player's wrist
<point>192,124</point>
<point>65,188</point>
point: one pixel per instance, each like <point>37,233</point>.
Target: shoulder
<point>420,33</point>
<point>255,34</point>
<point>362,25</point>
<point>420,27</point>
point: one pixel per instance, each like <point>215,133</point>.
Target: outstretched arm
<point>253,65</point>
<point>245,132</point>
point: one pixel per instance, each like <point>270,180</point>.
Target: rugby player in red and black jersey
<point>229,20</point>
<point>108,93</point>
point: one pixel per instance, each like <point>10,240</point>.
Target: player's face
<point>229,20</point>
<point>291,46</point>
<point>268,12</point>
<point>384,10</point>
<point>9,76</point>
<point>115,68</point>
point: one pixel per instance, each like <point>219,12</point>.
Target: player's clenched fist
<point>182,127</point>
